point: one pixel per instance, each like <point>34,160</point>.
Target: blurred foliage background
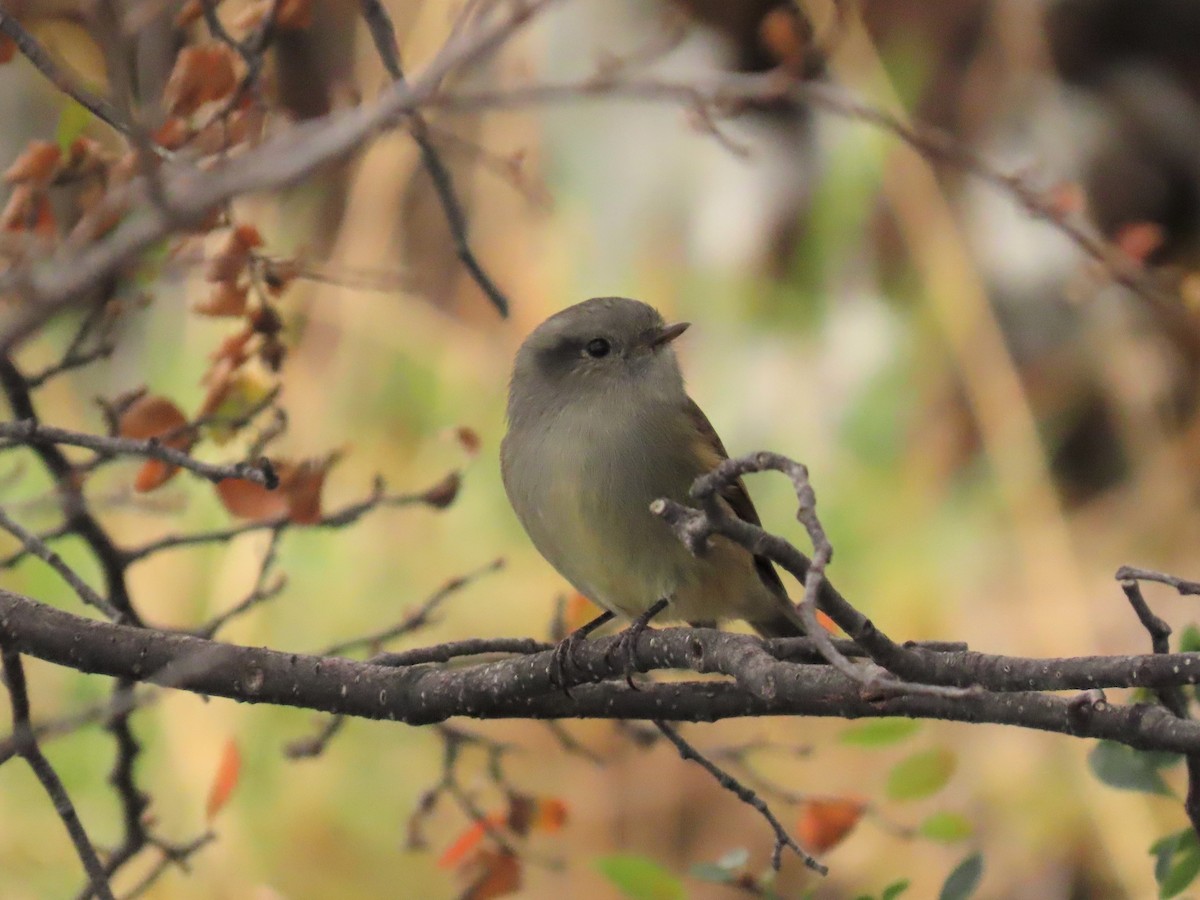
<point>991,426</point>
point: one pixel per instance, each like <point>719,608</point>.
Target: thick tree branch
<point>522,687</point>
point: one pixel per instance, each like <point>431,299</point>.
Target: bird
<point>600,425</point>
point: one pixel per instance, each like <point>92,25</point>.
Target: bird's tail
<point>784,622</point>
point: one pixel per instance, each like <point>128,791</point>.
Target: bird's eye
<point>597,347</point>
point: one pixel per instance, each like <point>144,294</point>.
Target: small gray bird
<point>599,426</point>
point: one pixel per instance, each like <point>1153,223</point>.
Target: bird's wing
<point>736,496</point>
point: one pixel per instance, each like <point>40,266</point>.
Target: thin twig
<point>383,33</point>
<point>416,618</point>
<point>36,546</point>
<point>438,497</point>
<point>27,748</point>
<point>98,106</point>
<point>29,432</point>
<point>783,840</point>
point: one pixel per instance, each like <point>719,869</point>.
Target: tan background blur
<point>935,357</point>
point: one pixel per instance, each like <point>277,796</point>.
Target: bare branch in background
<point>26,746</point>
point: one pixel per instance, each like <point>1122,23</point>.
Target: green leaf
<point>72,119</point>
<point>734,859</point>
<point>895,889</point>
<point>1128,769</point>
<point>962,882</point>
<point>725,869</point>
<point>1177,862</point>
<point>945,826</point>
<point>1189,639</point>
<point>711,872</point>
<point>1180,875</point>
<point>639,878</point>
<point>880,732</point>
<point>921,774</point>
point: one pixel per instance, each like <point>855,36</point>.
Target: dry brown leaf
<point>172,134</point>
<point>152,416</point>
<point>1066,199</point>
<point>1139,240</point>
<point>37,165</point>
<point>28,211</point>
<point>291,15</point>
<point>302,484</point>
<point>229,770</point>
<point>298,496</point>
<point>8,48</point>
<point>230,258</point>
<point>154,473</point>
<point>499,875</point>
<point>247,500</point>
<point>202,74</point>
<point>190,12</point>
<point>225,299</point>
<point>87,156</point>
<point>785,38</point>
<point>443,493</point>
<point>468,439</point>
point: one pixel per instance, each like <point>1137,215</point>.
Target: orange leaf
<point>8,48</point>
<point>295,14</point>
<point>302,484</point>
<point>469,840</point>
<point>226,779</point>
<point>44,224</point>
<point>580,610</point>
<point>785,38</point>
<point>37,164</point>
<point>201,75</point>
<point>226,299</point>
<point>233,254</point>
<point>500,875</point>
<point>247,500</point>
<point>1066,199</point>
<point>28,210</point>
<point>87,155</point>
<point>291,14</point>
<point>154,473</point>
<point>190,12</point>
<point>172,134</point>
<point>551,815</point>
<point>151,416</point>
<point>826,622</point>
<point>823,824</point>
<point>1139,240</point>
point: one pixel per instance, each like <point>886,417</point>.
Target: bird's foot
<point>564,652</point>
<point>625,648</point>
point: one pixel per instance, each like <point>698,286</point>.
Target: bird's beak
<point>668,334</point>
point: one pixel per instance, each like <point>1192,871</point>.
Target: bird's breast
<point>586,481</point>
